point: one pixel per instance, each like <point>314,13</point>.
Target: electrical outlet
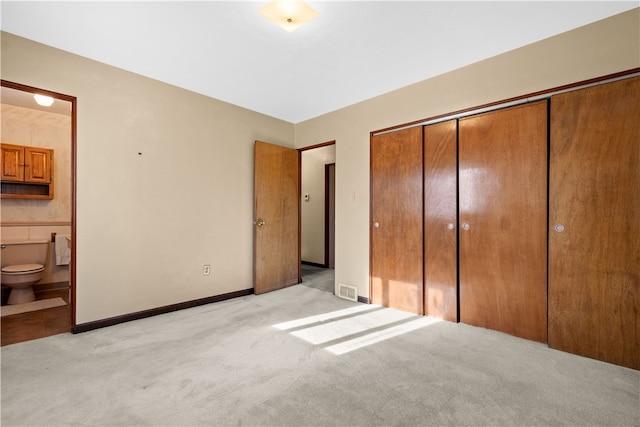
<point>206,270</point>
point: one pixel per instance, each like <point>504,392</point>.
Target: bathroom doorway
<point>49,216</point>
<point>317,235</point>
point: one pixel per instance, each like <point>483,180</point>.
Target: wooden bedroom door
<point>396,276</point>
<point>594,219</point>
<point>276,257</point>
<point>503,220</point>
<point>440,221</point>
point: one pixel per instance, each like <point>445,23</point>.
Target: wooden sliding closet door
<point>396,220</point>
<point>594,218</point>
<point>440,221</point>
<point>503,220</point>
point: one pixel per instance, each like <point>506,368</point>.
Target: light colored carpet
<point>8,310</point>
<point>302,357</point>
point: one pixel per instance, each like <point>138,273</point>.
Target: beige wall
<point>313,211</point>
<point>598,49</point>
<point>146,223</point>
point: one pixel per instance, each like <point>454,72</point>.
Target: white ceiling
<point>353,51</point>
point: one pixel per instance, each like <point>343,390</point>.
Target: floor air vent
<point>348,292</point>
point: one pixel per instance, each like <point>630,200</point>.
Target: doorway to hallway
<point>317,237</point>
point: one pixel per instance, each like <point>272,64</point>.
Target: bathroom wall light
<point>45,101</point>
<point>289,15</point>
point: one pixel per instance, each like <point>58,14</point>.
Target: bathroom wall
<point>26,219</point>
<point>313,210</point>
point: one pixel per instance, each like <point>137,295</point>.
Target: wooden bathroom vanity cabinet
<point>27,172</point>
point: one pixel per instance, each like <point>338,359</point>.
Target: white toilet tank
<point>24,252</point>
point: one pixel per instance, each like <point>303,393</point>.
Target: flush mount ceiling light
<point>289,15</point>
<point>45,101</point>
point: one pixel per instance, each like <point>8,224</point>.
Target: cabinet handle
<point>559,228</point>
<point>466,226</point>
<point>376,224</point>
<point>450,226</point>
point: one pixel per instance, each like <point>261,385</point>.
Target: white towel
<point>63,251</point>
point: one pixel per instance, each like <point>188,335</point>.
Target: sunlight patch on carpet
<point>379,336</point>
<point>324,317</point>
<point>347,330</point>
<point>340,329</point>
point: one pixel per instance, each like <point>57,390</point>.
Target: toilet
<point>22,265</point>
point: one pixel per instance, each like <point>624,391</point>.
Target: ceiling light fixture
<point>289,15</point>
<point>45,101</point>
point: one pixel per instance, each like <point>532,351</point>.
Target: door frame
<point>329,197</point>
<point>300,150</point>
<point>74,184</point>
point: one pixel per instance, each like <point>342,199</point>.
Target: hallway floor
<point>318,278</point>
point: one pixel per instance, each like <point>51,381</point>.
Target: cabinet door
<point>396,220</point>
<point>37,164</point>
<point>440,220</point>
<point>503,220</point>
<point>12,162</point>
<point>594,217</point>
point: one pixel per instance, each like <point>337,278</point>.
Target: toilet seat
<point>22,269</point>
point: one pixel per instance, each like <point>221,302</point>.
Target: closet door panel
<point>503,220</point>
<point>594,235</point>
<point>396,220</point>
<point>440,221</point>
